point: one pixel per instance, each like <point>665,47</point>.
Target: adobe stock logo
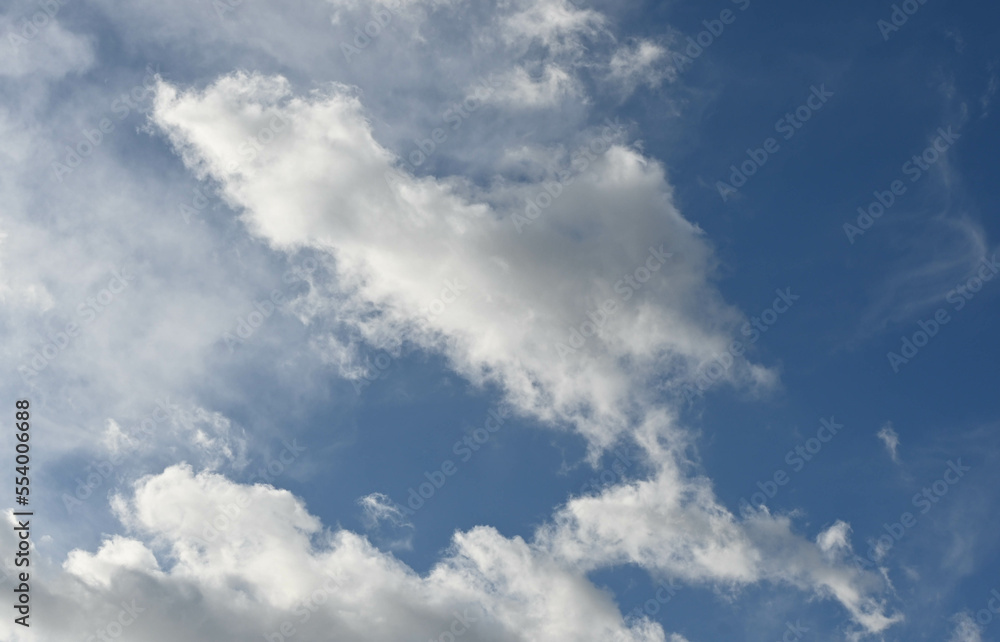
<point>464,449</point>
<point>664,593</point>
<point>793,632</point>
<point>461,624</point>
<point>581,160</point>
<point>222,7</point>
<point>92,139</point>
<point>452,290</point>
<point>707,375</point>
<point>610,475</point>
<point>683,59</point>
<point>797,459</point>
<point>381,17</point>
<point>959,297</point>
<point>626,288</point>
<point>86,312</point>
<point>306,608</point>
<point>924,500</point>
<point>915,169</point>
<point>985,616</point>
<point>900,16</point>
<point>788,125</point>
<point>248,324</point>
<point>32,25</point>
<point>101,471</point>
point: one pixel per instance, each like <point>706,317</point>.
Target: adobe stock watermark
<point>222,7</point>
<point>793,632</point>
<point>985,616</point>
<point>610,475</point>
<point>100,471</point>
<point>788,125</point>
<point>697,45</point>
<point>898,17</point>
<point>959,297</point>
<point>113,630</point>
<point>963,293</point>
<point>248,324</point>
<point>796,458</point>
<point>661,597</point>
<point>453,117</point>
<point>253,146</point>
<point>451,292</point>
<point>225,517</point>
<point>32,25</point>
<point>915,169</point>
<point>924,500</point>
<point>581,159</point>
<point>86,313</point>
<point>249,149</point>
<point>377,367</point>
<point>364,36</point>
<point>464,449</point>
<point>197,205</point>
<point>752,329</point>
<point>461,623</point>
<point>121,107</point>
<point>625,288</point>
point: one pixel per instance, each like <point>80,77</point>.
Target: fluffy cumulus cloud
<point>568,281</point>
<point>202,563</point>
<point>674,527</point>
<point>568,307</point>
<point>209,559</point>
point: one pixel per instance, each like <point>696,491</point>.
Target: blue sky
<point>591,278</point>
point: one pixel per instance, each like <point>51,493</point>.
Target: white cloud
<point>326,184</point>
<point>518,90</point>
<point>557,24</point>
<point>640,63</point>
<point>675,527</point>
<point>890,438</point>
<point>379,509</point>
<point>245,559</point>
<point>835,538</point>
<point>116,554</point>
<point>397,241</point>
<point>238,560</point>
